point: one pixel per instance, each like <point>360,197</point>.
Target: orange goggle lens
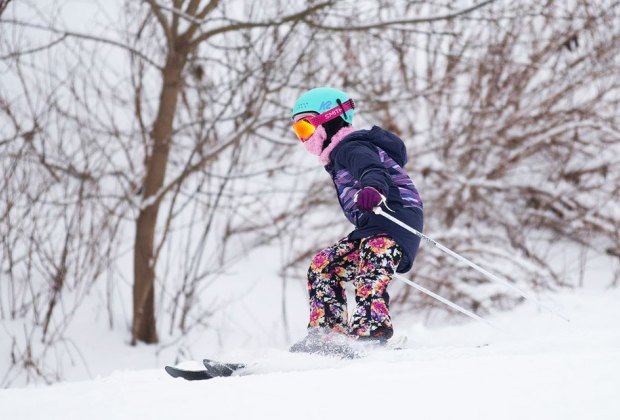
<point>303,129</point>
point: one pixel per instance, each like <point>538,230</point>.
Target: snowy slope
<point>537,367</point>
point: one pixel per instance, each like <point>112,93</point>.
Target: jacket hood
<point>385,140</point>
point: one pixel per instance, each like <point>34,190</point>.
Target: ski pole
<point>443,300</point>
<point>380,211</point>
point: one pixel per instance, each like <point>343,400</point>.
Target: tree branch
<point>34,50</point>
<point>415,21</point>
<point>163,22</point>
<point>3,5</point>
<point>190,14</point>
<point>200,19</point>
<point>175,18</point>
<point>82,36</point>
<point>249,25</point>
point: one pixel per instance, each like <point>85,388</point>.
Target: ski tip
<point>172,371</point>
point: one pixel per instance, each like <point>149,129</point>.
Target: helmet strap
<point>344,112</point>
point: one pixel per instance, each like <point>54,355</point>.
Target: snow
<point>536,367</point>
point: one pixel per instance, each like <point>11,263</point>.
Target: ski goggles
<point>306,126</point>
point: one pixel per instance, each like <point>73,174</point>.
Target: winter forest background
<point>155,203</point>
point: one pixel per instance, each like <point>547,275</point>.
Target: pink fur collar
<point>336,139</point>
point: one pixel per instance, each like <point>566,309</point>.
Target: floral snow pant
<point>370,264</point>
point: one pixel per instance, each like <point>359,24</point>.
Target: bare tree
<point>82,145</point>
<point>181,43</point>
<point>58,231</point>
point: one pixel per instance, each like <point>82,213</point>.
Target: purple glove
<point>368,198</point>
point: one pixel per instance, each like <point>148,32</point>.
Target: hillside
<point>536,367</point>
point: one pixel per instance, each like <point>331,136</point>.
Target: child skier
<point>367,169</point>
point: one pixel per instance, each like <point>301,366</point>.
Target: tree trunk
<point>144,328</point>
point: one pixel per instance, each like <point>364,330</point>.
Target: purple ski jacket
<point>376,158</point>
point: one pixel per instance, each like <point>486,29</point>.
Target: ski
<point>189,375</point>
<point>343,350</point>
<point>213,369</point>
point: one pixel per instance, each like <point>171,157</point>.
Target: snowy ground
<point>537,367</point>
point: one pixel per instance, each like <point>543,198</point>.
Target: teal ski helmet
<point>322,99</point>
